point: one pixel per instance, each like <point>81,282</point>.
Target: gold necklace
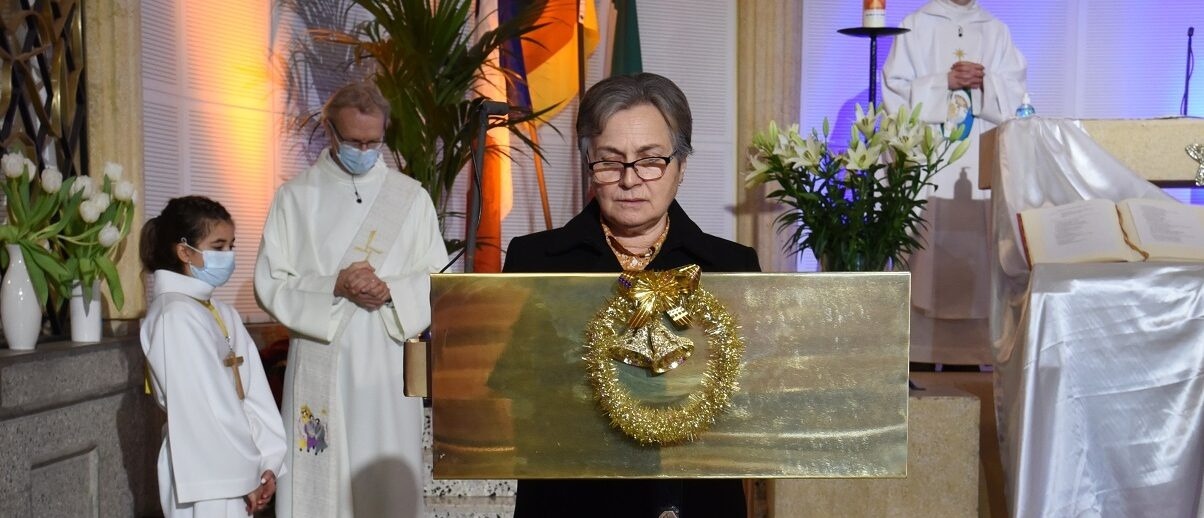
<point>631,261</point>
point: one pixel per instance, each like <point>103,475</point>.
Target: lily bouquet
<point>858,209</point>
<point>68,229</point>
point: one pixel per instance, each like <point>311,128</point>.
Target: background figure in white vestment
<point>347,250</point>
<point>959,63</point>
<point>224,441</point>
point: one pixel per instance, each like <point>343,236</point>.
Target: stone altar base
<point>79,436</point>
<point>942,469</point>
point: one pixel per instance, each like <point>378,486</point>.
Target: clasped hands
<point>966,74</point>
<point>359,284</point>
<point>258,499</point>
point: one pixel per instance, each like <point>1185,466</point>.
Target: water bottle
<point>1026,108</point>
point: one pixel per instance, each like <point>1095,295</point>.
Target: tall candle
<point>873,13</point>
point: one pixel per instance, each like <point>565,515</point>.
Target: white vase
<point>85,315</point>
<point>20,313</point>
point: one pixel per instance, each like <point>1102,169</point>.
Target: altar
<point>1099,395</point>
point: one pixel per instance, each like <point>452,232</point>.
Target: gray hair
<point>617,93</point>
<point>363,96</point>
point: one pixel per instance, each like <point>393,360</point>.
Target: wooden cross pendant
<point>233,362</point>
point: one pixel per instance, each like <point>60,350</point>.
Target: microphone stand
<point>488,108</point>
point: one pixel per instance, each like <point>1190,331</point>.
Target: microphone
<point>495,108</point>
<point>1191,67</point>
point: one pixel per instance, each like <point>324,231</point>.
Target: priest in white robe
<point>347,250</point>
<point>959,63</point>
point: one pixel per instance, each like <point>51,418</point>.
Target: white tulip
<point>13,165</point>
<point>101,200</point>
<point>109,235</point>
<point>113,171</point>
<point>31,169</point>
<point>83,183</point>
<point>52,179</point>
<point>124,191</point>
<point>89,211</point>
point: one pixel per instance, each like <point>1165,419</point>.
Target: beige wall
<point>114,89</point>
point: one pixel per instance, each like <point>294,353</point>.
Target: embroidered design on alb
<point>311,431</point>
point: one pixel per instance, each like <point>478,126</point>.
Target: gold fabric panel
<point>823,389</point>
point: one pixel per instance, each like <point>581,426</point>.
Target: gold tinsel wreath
<point>673,424</point>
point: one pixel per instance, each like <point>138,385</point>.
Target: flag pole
<point>543,186</point>
<point>580,95</point>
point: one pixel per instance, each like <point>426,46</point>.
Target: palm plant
<point>429,64</point>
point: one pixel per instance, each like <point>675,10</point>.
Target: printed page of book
<point>1081,232</point>
<point>1167,230</point>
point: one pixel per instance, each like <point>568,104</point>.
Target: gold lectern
<point>822,389</point>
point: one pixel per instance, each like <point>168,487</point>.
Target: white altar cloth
<point>1102,400</point>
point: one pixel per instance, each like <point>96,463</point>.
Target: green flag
<point>625,48</point>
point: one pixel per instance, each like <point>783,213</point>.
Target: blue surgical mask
<point>219,265</point>
<point>357,161</point>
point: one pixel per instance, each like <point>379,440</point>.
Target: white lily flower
<point>89,212</point>
<point>124,191</point>
<point>113,171</point>
<point>859,157</point>
<point>52,179</point>
<point>866,121</point>
<point>810,155</point>
<point>109,235</point>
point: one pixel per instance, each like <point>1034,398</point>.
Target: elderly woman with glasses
<point>634,137</point>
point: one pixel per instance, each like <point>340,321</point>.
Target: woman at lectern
<point>635,139</point>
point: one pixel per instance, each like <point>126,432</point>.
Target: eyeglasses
<point>362,144</point>
<point>611,171</point>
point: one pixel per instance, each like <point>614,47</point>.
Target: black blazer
<point>580,246</point>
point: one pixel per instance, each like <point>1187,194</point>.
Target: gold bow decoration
<point>1196,152</point>
<point>648,342</point>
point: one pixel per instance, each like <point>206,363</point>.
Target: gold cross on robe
<point>961,54</point>
<point>233,362</point>
<point>367,248</point>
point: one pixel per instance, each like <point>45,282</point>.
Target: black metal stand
<point>873,33</point>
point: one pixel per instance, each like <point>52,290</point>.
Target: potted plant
<point>428,63</point>
<point>60,236</point>
<point>97,219</point>
<point>31,269</point>
<point>858,209</point>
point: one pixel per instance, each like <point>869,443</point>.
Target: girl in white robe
<point>224,441</point>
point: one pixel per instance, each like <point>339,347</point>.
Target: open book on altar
<point>1101,230</point>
